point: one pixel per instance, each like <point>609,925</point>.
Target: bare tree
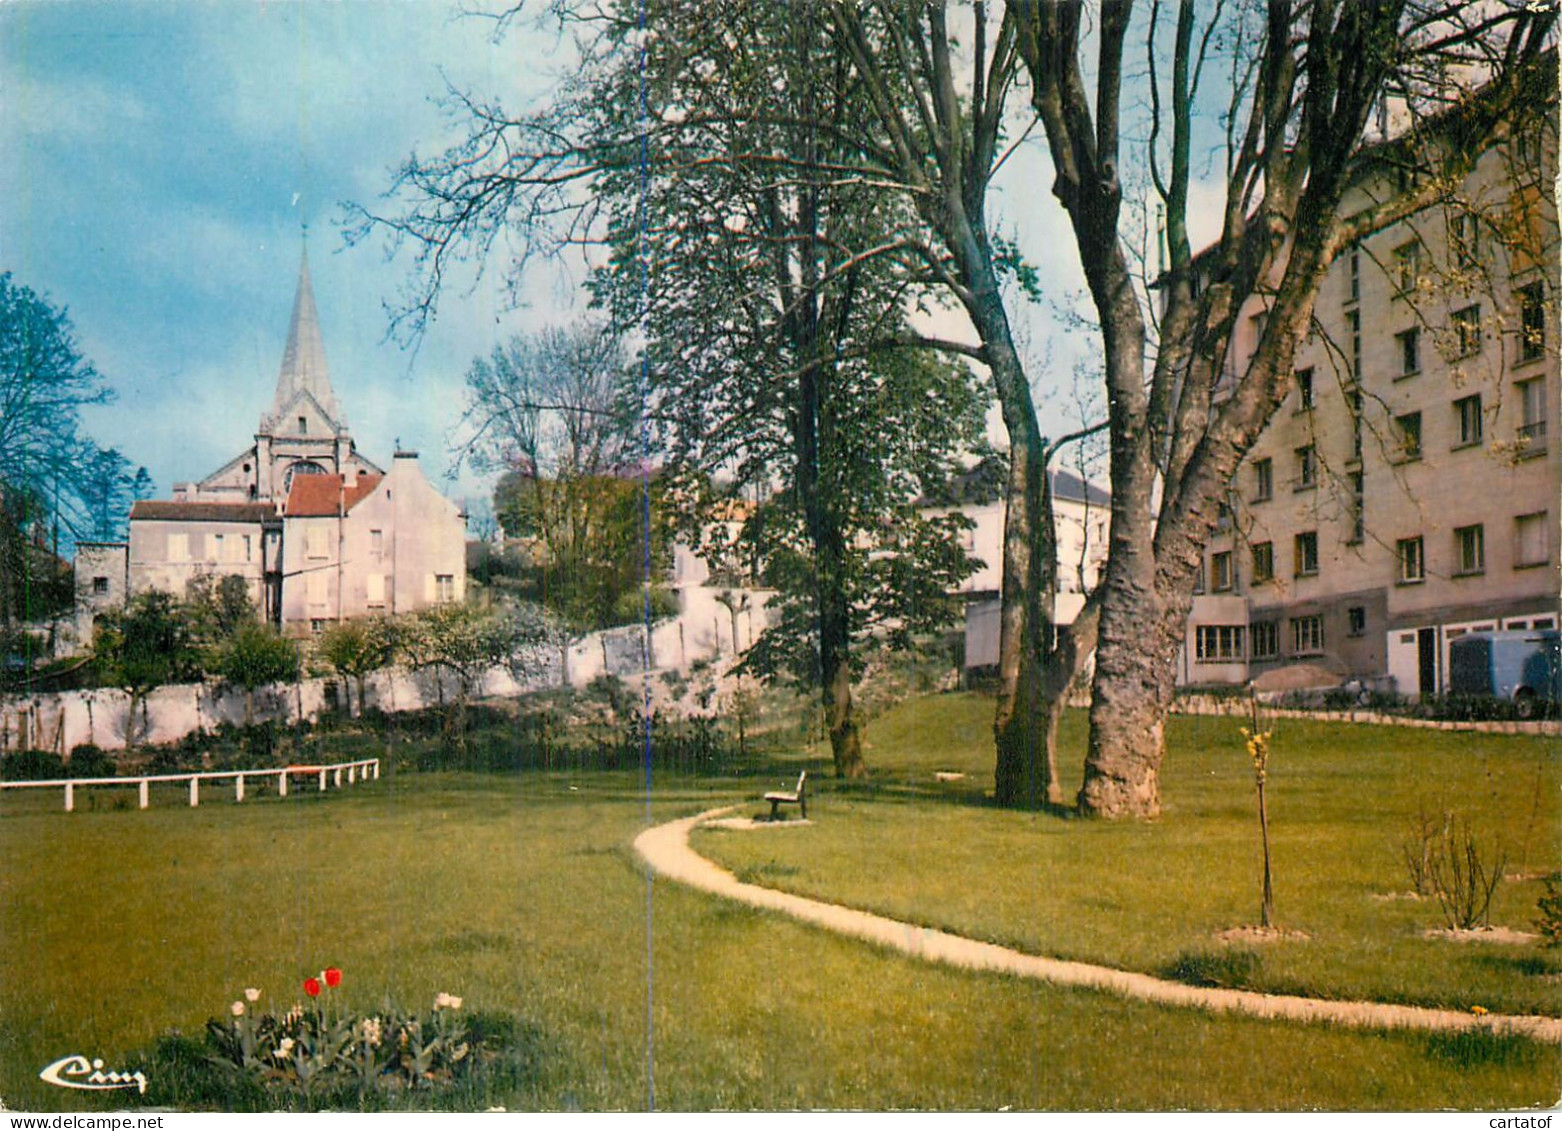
<point>1306,80</point>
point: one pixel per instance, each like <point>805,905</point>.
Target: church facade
<point>319,532</point>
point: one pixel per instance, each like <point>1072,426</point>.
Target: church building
<point>319,532</point>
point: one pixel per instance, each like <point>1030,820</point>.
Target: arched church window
<point>302,467</point>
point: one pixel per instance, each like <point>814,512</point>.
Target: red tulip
<point>333,977</point>
<point>312,987</point>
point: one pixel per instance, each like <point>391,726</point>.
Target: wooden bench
<point>798,797</point>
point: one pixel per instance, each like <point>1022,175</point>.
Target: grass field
<point>519,893</point>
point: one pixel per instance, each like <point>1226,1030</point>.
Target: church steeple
<point>303,361</point>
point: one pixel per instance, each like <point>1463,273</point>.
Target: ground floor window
<point>1219,642</point>
<point>1306,635</point>
<point>1266,639</point>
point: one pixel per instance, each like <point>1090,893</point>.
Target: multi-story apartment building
<point>317,531</point>
<point>1409,490</point>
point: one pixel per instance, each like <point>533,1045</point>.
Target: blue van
<point>1525,667</point>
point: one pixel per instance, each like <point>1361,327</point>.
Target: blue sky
<point>159,159</point>
<point>159,162</point>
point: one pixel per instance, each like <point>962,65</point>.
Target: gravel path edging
<point>665,850</point>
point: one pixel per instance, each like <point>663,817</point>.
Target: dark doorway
<point>1426,653</point>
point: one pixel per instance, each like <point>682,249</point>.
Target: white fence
<point>362,770</point>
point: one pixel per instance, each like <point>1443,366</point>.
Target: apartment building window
<point>1354,401</point>
<point>1464,232</point>
<point>1532,412</point>
<point>1353,330</point>
<point>1304,390</point>
<point>1353,276</point>
<point>1306,467</point>
<point>1531,540</point>
<point>1412,561</point>
<point>1408,428</point>
<point>1407,266</point>
<point>1470,549</point>
<point>1358,507</point>
<point>1306,635</point>
<point>178,547</point>
<point>1532,322</point>
<point>1265,637</point>
<point>1407,344</point>
<point>1222,566</point>
<point>1307,553</point>
<point>1263,480</point>
<point>1263,562</point>
<point>315,542</point>
<point>444,588</point>
<point>100,586</point>
<point>1469,411</point>
<point>1356,620</point>
<point>1466,327</point>
<point>1217,643</point>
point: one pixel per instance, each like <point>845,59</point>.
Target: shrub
<point>89,761</point>
<point>1445,857</point>
<point>32,765</point>
<point>1549,908</point>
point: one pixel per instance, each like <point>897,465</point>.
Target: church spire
<point>303,361</point>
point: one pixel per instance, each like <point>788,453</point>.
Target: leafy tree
<point>216,607</point>
<point>465,641</point>
<point>772,331</point>
<point>1306,79</point>
<point>143,646</point>
<point>46,465</point>
<point>356,648</point>
<point>253,656</point>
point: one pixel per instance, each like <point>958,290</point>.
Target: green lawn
<point>519,893</point>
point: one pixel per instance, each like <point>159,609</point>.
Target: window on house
<point>1531,540</point>
<point>1469,411</point>
<point>178,547</point>
<point>1263,480</point>
<point>1532,412</point>
<point>1408,428</point>
<point>377,543</point>
<point>1407,344</point>
<point>249,548</point>
<point>1532,322</point>
<point>315,541</point>
<point>1306,635</point>
<point>1353,276</point>
<point>316,626</point>
<point>1358,507</point>
<point>1217,643</point>
<point>100,586</point>
<point>1407,266</point>
<point>1353,331</point>
<point>1265,636</point>
<point>444,588</point>
<point>1221,565</point>
<point>1354,401</point>
<point>1465,325</point>
<point>1307,553</point>
<point>1470,548</point>
<point>1356,620</point>
<point>374,590</point>
<point>1412,562</point>
<point>217,541</point>
<point>1304,389</point>
<point>1306,467</point>
<point>303,426</point>
<point>1198,578</point>
<point>1263,562</point>
<point>1223,516</point>
<point>1465,236</point>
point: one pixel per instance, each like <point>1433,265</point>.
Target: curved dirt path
<point>665,849</point>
